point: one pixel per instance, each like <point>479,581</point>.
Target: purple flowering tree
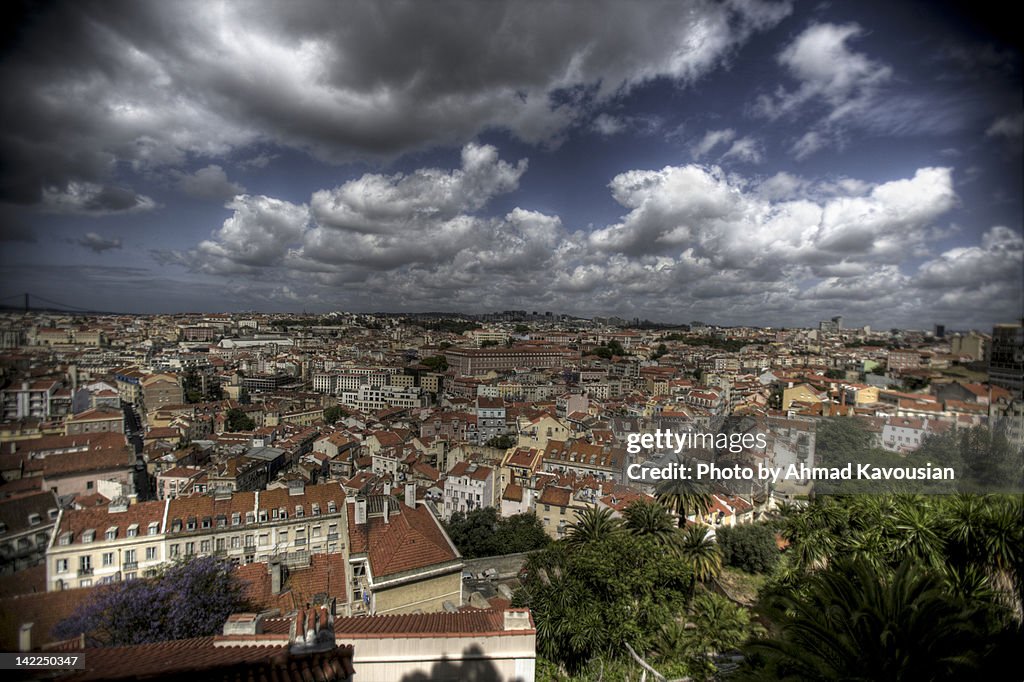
<point>191,598</point>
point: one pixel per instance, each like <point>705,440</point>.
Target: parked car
<point>491,574</point>
<point>467,575</point>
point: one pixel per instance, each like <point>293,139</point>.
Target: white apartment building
<point>123,542</point>
<point>368,398</point>
<point>468,487</point>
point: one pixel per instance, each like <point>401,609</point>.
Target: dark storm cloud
<point>95,88</point>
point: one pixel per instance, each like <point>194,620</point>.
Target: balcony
<point>131,565</point>
<point>84,572</point>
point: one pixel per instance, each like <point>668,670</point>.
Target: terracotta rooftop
<point>99,520</point>
<point>411,539</point>
<point>201,658</point>
<point>440,624</point>
<point>82,462</point>
<point>560,497</point>
<point>513,493</point>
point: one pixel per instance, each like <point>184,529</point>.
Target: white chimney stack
<point>410,495</point>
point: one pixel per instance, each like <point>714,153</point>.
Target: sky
<point>738,162</point>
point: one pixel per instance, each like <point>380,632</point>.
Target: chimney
<point>387,509</point>
<point>360,510</point>
<point>410,495</point>
<point>517,619</point>
<point>25,637</point>
<point>244,624</point>
<point>276,577</point>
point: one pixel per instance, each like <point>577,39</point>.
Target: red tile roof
<point>201,658</point>
<point>76,521</point>
<point>412,539</point>
<point>440,624</point>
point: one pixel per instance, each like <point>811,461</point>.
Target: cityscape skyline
<point>747,163</point>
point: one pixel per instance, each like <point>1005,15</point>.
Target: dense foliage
<point>189,599</point>
<point>333,413</point>
<point>894,587</point>
<point>237,420</point>
<point>750,547</point>
<point>633,582</point>
<point>482,532</point>
<point>503,441</point>
<point>983,459</point>
<point>435,363</point>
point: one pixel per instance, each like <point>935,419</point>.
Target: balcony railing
<point>84,571</point>
<point>131,565</point>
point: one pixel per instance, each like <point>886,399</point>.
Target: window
<point>204,546</point>
<point>108,558</point>
<point>175,550</point>
<point>562,511</point>
<point>236,518</point>
<point>263,514</point>
<point>264,539</point>
<point>282,536</point>
<point>133,530</point>
<point>250,517</point>
<point>547,507</point>
<point>207,522</point>
<point>89,485</point>
<point>316,509</point>
<point>176,526</point>
<point>53,514</point>
<point>299,511</point>
<point>88,536</point>
<point>34,519</point>
<point>154,528</point>
<point>129,556</point>
<point>65,539</point>
<point>111,534</point>
<point>191,523</point>
<point>85,564</point>
<point>222,520</point>
<point>236,542</point>
<point>62,565</point>
<point>150,553</point>
<point>220,544</point>
<point>190,548</point>
<point>331,507</point>
<point>316,531</point>
<point>88,581</point>
<point>131,576</point>
<point>250,541</point>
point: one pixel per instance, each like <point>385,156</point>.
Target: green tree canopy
<point>482,532</point>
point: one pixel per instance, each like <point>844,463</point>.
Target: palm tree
<point>644,518</point>
<point>698,551</point>
<point>593,524</point>
<point>853,622</point>
<point>684,497</point>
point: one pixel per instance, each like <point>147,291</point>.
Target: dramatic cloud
<point>692,232</point>
<point>86,198</point>
<point>146,85</point>
<point>208,183</point>
<point>256,235</point>
<point>845,84</point>
<point>98,244</point>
